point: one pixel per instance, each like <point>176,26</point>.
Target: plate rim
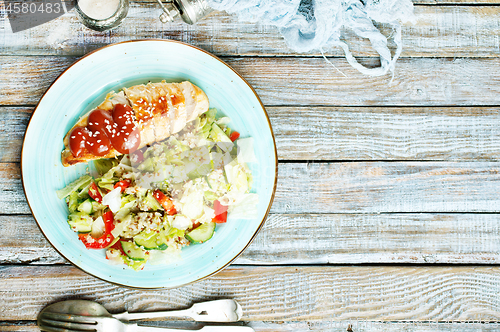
<point>261,224</point>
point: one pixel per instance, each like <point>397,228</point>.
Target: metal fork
<point>57,322</point>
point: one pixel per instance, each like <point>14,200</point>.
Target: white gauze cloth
<point>310,25</point>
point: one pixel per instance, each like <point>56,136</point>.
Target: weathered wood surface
<point>352,187</point>
<point>336,239</point>
<point>291,293</point>
<point>326,326</point>
<point>306,81</point>
<point>446,31</point>
<point>348,133</point>
<point>373,171</point>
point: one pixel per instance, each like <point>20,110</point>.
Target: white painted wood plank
<point>321,239</point>
<point>448,31</point>
<point>306,81</point>
<point>343,293</point>
<point>353,187</point>
<point>13,122</point>
<point>386,133</point>
<point>349,133</point>
<point>387,187</point>
<point>324,326</point>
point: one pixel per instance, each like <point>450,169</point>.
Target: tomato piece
<point>234,136</point>
<point>108,219</point>
<point>165,201</point>
<point>94,192</point>
<point>220,212</point>
<point>123,184</point>
<point>104,240</point>
<point>99,243</point>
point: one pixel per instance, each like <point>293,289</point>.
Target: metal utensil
<point>191,11</point>
<point>220,311</point>
<point>57,322</point>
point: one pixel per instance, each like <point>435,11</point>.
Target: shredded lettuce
<point>104,165</point>
<point>74,186</point>
<point>245,150</point>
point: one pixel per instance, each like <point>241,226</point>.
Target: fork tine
<point>68,326</point>
<point>46,328</point>
<point>49,328</point>
<point>68,317</point>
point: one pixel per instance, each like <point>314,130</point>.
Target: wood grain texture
<point>336,239</point>
<point>387,187</point>
<point>12,199</point>
<point>386,133</point>
<point>13,122</point>
<point>357,187</point>
<point>324,326</point>
<point>437,31</point>
<point>306,81</point>
<point>290,293</point>
<point>349,133</point>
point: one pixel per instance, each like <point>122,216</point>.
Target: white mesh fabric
<point>310,25</point>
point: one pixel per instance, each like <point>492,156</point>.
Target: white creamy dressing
<point>99,9</point>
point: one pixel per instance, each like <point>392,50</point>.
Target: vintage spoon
<point>211,311</point>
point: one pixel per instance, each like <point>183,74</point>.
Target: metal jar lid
<point>191,11</point>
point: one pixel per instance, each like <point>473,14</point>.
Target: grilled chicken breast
<point>152,112</point>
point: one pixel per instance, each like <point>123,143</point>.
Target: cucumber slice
<point>86,207</point>
<point>202,233</point>
<point>161,239</point>
<point>80,222</point>
<point>96,206</point>
<point>151,202</point>
<point>146,239</point>
<point>134,252</point>
<point>73,202</point>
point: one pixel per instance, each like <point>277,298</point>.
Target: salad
<point>148,205</point>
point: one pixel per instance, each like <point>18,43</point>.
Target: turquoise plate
<point>82,87</point>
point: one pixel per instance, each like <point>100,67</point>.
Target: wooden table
<point>386,216</point>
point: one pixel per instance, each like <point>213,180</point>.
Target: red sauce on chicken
<point>106,130</point>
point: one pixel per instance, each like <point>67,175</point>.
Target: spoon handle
<point>138,328</point>
<point>127,316</point>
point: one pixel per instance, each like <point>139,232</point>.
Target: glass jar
<point>97,23</point>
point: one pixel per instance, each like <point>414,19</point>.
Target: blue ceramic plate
<point>82,87</point>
